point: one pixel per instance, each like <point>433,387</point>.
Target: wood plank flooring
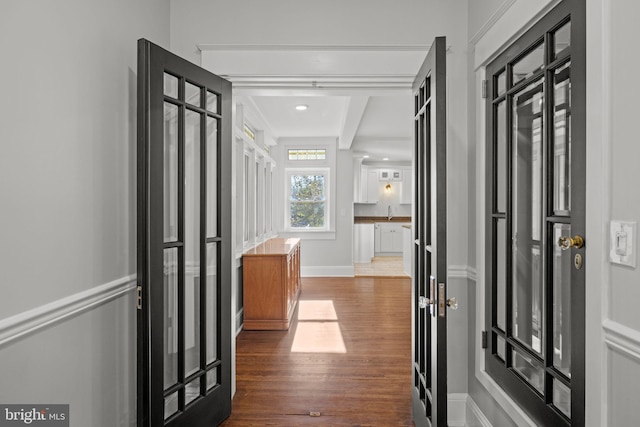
<point>386,266</point>
<point>346,357</point>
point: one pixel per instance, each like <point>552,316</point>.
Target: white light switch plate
<point>623,243</point>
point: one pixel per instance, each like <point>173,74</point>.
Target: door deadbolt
<point>577,261</point>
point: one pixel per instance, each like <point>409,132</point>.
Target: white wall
<point>290,22</point>
<point>613,325</point>
<point>67,185</point>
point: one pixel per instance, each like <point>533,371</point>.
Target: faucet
<point>389,216</point>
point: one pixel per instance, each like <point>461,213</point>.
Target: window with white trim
<point>307,199</point>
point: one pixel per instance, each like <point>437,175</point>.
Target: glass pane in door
<point>528,64</point>
<point>171,85</point>
<point>529,369</point>
<point>170,333</point>
<point>501,83</point>
<point>527,270</point>
<point>562,39</point>
<point>501,157</point>
<point>170,405</point>
<point>192,242</point>
<point>192,94</point>
<point>212,102</point>
<point>562,141</point>
<point>500,273</point>
<point>562,397</point>
<point>562,267</point>
<point>212,178</point>
<point>212,303</point>
<point>192,391</point>
<point>170,172</point>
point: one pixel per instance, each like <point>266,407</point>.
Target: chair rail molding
<point>32,321</point>
<point>622,338</point>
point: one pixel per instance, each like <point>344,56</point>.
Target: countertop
<point>276,246</point>
<point>374,219</point>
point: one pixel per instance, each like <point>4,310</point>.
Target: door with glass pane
<point>184,223</point>
<point>429,279</point>
<point>536,218</point>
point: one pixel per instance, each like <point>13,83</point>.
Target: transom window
<point>307,154</point>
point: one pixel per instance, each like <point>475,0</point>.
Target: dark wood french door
<point>535,298</point>
<point>184,223</point>
<point>429,279</point>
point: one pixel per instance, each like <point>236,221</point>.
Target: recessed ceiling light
<point>301,107</point>
<point>366,156</point>
<point>385,158</point>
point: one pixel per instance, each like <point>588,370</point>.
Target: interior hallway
<point>381,266</point>
<point>346,357</point>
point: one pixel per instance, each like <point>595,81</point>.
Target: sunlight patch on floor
<point>318,337</point>
<point>316,310</point>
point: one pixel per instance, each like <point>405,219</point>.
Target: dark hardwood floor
<point>346,357</point>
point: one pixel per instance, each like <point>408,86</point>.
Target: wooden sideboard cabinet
<point>271,284</point>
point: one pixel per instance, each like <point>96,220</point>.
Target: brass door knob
<point>570,242</point>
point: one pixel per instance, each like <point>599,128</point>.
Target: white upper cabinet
<point>407,188</point>
<point>367,183</point>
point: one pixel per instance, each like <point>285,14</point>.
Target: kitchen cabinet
<point>373,186</point>
<point>407,194</point>
<point>368,186</point>
<point>271,284</point>
<point>390,237</point>
<point>407,249</point>
<point>363,242</point>
<point>388,175</point>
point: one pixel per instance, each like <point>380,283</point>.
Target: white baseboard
<point>475,417</point>
<point>457,409</point>
<point>32,321</point>
<point>327,271</point>
<point>239,321</point>
<point>462,411</point>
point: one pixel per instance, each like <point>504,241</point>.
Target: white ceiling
<point>324,116</point>
<point>384,129</point>
<point>361,95</point>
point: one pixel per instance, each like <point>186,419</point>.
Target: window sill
<point>310,235</point>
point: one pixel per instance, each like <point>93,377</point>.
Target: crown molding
<point>314,47</point>
<point>491,21</point>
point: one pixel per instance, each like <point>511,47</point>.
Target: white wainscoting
<point>34,320</point>
<point>621,374</point>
